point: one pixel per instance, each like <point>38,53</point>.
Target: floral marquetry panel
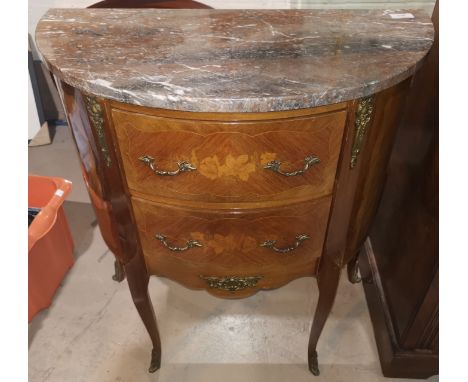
<point>228,242</point>
<point>230,160</point>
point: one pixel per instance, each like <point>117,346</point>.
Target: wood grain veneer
<point>400,260</point>
<point>230,156</point>
<point>231,203</point>
<point>224,214</point>
<point>230,242</point>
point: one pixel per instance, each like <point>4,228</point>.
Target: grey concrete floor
<point>92,332</point>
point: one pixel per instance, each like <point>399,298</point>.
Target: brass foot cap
<point>118,278</point>
<point>119,274</point>
<point>353,273</point>
<point>155,361</point>
<point>313,363</point>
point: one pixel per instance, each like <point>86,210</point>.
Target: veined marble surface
<point>233,60</point>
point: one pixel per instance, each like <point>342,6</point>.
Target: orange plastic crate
<point>50,245</point>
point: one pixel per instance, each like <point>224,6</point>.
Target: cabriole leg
<point>138,280</point>
<point>328,279</point>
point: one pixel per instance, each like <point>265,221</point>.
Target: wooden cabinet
<point>400,261</point>
<point>230,158</point>
<point>252,226</point>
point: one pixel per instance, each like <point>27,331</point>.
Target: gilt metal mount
<point>232,283</point>
<point>309,161</point>
<point>189,244</point>
<point>272,244</point>
<point>182,166</point>
<point>364,110</point>
<point>95,114</point>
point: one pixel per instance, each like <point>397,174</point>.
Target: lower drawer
<point>229,281</point>
<point>232,253</point>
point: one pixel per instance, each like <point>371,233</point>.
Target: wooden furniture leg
<point>328,284</point>
<point>353,270</point>
<point>139,290</point>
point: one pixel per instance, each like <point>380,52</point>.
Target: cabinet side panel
<point>373,160</point>
<point>91,163</point>
<point>405,231</point>
<point>404,237</point>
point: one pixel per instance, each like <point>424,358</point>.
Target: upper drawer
<point>242,161</point>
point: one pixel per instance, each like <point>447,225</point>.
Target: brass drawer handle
<point>183,166</point>
<point>271,244</point>
<point>274,165</point>
<point>189,244</point>
<point>232,283</point>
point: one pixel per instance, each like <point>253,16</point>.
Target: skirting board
<point>395,362</point>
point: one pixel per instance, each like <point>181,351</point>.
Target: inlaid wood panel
<point>84,138</point>
<point>230,242</point>
<point>91,165</point>
<point>230,157</point>
<point>188,274</point>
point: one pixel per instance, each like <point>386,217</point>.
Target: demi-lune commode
<point>234,150</point>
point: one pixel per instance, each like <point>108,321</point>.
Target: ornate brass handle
<point>231,283</point>
<point>274,165</point>
<point>183,166</point>
<point>189,244</point>
<point>271,244</point>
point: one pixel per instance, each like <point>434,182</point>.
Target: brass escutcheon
<point>231,283</point>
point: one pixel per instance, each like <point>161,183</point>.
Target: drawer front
<point>229,282</point>
<point>289,159</point>
<point>194,246</point>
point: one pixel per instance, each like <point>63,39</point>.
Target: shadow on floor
<point>131,365</point>
<point>82,221</point>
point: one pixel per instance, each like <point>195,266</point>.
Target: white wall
<point>427,5</point>
<point>33,118</point>
<point>38,7</point>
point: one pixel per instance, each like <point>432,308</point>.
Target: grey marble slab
<point>233,60</point>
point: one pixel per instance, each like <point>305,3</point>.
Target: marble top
<point>233,60</point>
